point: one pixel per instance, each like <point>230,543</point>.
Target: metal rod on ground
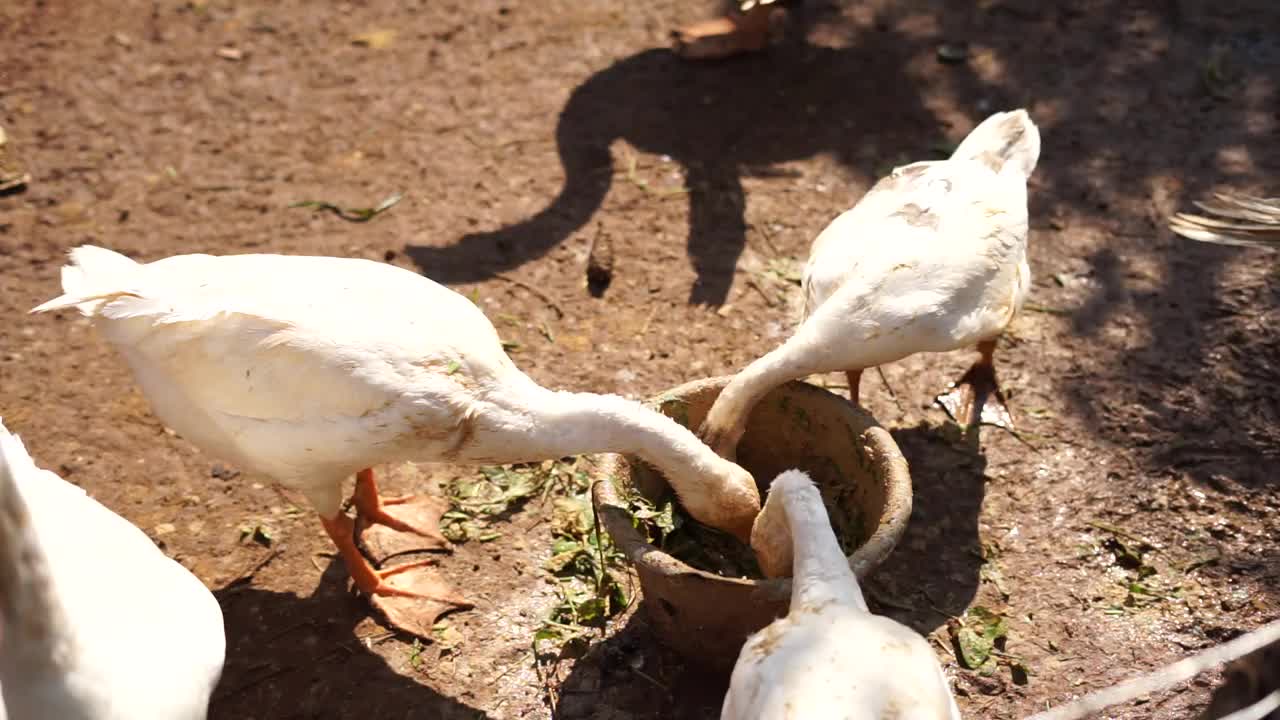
<point>1258,710</point>
<point>1177,672</point>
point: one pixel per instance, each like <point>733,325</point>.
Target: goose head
<point>723,496</point>
<point>771,539</point>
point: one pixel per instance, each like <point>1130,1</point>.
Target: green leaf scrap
<point>352,214</point>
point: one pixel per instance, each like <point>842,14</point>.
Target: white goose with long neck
<point>95,622</point>
<point>933,258</point>
<point>829,658</point>
<point>309,369</point>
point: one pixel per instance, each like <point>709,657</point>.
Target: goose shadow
<point>934,572</point>
<point>931,575</point>
<point>717,121</point>
<point>632,675</point>
<point>290,657</point>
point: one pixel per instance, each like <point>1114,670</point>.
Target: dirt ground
<point>519,132</point>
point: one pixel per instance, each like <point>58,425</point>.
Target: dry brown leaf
<point>375,39</point>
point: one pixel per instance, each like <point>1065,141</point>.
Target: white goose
<point>933,258</point>
<point>95,622</point>
<point>829,657</point>
<point>309,369</point>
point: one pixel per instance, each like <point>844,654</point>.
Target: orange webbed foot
<point>412,599</point>
<point>393,526</point>
<point>976,399</point>
<point>410,596</point>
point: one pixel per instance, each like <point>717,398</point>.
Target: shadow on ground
<point>934,571</point>
<point>717,121</point>
<point>636,677</point>
<point>291,657</point>
<point>1196,78</point>
<point>1196,82</point>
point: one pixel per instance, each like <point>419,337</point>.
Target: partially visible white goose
<point>95,622</point>
<point>933,258</point>
<point>309,369</point>
<point>829,657</point>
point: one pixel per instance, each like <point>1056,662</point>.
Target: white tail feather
<point>1004,141</point>
<point>94,274</point>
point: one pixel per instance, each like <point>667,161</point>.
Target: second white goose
<point>933,258</point>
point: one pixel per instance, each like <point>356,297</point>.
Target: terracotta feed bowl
<point>856,464</point>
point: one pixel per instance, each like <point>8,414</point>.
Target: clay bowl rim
<point>883,451</point>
